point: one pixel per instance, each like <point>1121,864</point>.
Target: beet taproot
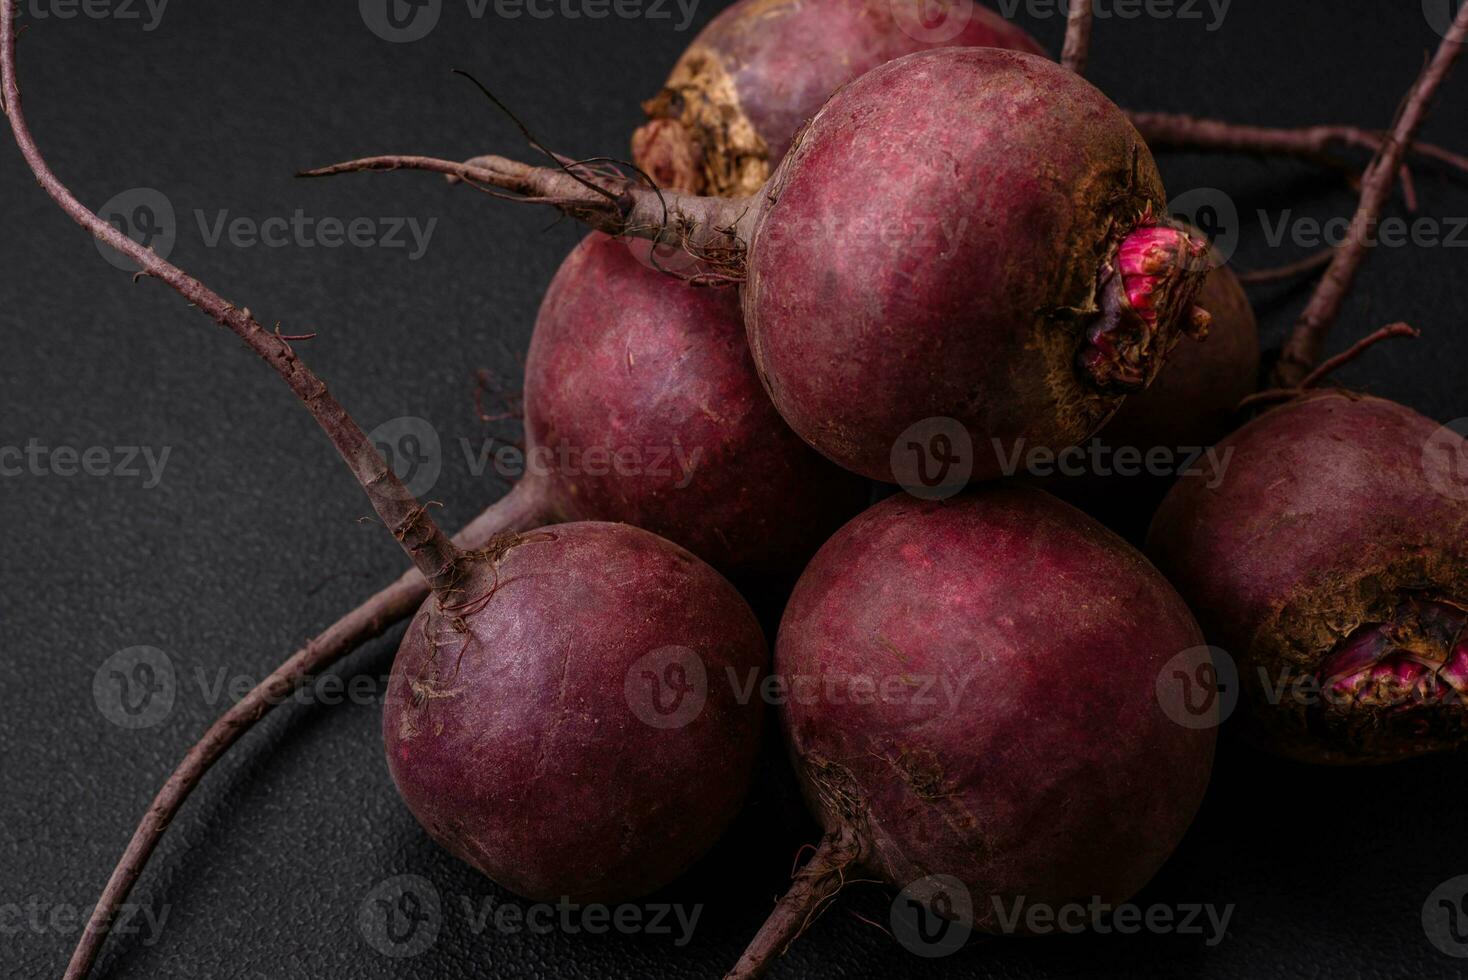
<point>751,78</point>
<point>1017,645</point>
<point>1332,565</point>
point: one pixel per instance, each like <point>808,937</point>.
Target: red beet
<point>521,740</point>
<point>642,405</point>
<point>761,68</point>
<point>962,233</point>
<point>1332,564</point>
<point>1041,635</point>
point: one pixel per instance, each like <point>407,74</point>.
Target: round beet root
<point>642,405</point>
<point>1332,564</point>
<point>964,233</point>
<point>549,733</point>
<point>761,68</point>
<point>1013,646</point>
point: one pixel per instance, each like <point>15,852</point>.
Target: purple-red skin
<point>936,244</point>
<point>768,65</point>
<point>515,743</point>
<point>1335,506</point>
<point>1056,775</point>
<point>626,360</point>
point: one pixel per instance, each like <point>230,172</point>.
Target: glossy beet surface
<point>642,405</point>
<point>572,730</point>
<point>1336,510</point>
<point>1022,746</point>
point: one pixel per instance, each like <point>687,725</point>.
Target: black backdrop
<point>251,541</point>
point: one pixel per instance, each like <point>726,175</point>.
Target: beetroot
<point>642,405</point>
<point>1332,564</point>
<point>761,68</point>
<point>962,233</point>
<point>521,739</point>
<point>1015,645</point>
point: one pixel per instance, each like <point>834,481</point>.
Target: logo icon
<point>667,688</point>
<point>1199,688</point>
<point>401,21</point>
<point>933,916</point>
<point>412,448</point>
<point>933,459</point>
<point>146,216</point>
<point>1441,14</point>
<point>135,688</point>
<point>931,21</point>
<point>1445,460</point>
<point>1215,214</point>
<point>401,917</point>
<point>1445,917</point>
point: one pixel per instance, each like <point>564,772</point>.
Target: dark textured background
<point>252,541</point>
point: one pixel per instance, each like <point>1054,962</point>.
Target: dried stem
<point>1304,346</point>
<point>1330,367</point>
<point>1173,131</point>
<point>429,548</point>
<point>714,230</point>
<point>814,887</point>
<point>1077,48</point>
<point>521,509</point>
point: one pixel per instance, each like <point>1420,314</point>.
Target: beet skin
<point>761,68</point>
<point>1334,558</point>
<point>516,727</point>
<point>1051,773</point>
<point>943,241</point>
<point>642,405</point>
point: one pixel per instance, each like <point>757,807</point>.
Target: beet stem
<point>815,886</point>
<point>1077,49</point>
<point>1304,347</point>
<point>1177,131</point>
<point>1330,366</point>
<point>523,508</point>
<point>429,548</point>
<point>1258,277</point>
<point>715,230</point>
